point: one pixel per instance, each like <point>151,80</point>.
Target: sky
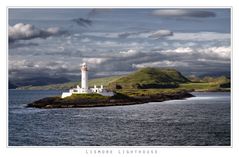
<point>54,42</point>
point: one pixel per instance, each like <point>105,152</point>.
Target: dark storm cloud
<point>21,31</point>
<point>86,22</point>
<point>94,12</point>
<point>183,13</point>
<point>82,22</point>
<point>127,34</point>
<point>161,33</point>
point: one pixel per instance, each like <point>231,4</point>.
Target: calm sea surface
<point>201,120</point>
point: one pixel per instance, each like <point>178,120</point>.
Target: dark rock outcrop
<point>118,100</point>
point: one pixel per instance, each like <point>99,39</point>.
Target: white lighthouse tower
<point>84,86</point>
<point>84,78</point>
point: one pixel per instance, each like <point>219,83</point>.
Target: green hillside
<point>207,83</point>
<point>150,78</point>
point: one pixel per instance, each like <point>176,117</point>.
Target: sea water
<point>203,120</point>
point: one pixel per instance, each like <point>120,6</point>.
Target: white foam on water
<point>202,98</point>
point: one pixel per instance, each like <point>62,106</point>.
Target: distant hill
<point>216,74</point>
<point>150,78</point>
<point>208,79</point>
<point>220,79</point>
<point>11,85</point>
<point>37,81</point>
<point>208,83</point>
<point>61,86</point>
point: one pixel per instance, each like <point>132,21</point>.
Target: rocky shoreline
<point>57,102</point>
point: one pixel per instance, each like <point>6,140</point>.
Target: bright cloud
<point>183,50</point>
<point>128,53</point>
<point>222,52</point>
<point>165,63</point>
<point>21,31</point>
<point>94,60</point>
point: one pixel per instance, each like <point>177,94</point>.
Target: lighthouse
<point>84,86</point>
<point>84,78</point>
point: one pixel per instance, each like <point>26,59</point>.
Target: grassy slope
<point>150,78</point>
<point>208,84</point>
<point>199,86</point>
<point>147,92</point>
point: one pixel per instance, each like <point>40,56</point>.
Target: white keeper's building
<point>84,89</point>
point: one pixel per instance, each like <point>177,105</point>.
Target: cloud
<point>106,44</point>
<point>26,68</point>
<point>141,34</point>
<point>94,12</point>
<point>183,13</point>
<point>85,40</point>
<point>94,61</point>
<point>119,40</point>
<point>21,31</point>
<point>129,53</point>
<point>165,63</point>
<point>161,33</point>
<point>200,36</point>
<point>147,34</point>
<point>221,52</point>
<point>213,61</point>
<point>185,59</point>
<point>111,73</point>
<point>123,60</point>
<point>86,22</point>
<point>127,34</point>
<point>179,50</point>
<point>82,22</point>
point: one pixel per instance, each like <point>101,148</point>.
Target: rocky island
<point>143,86</point>
<point>97,100</point>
